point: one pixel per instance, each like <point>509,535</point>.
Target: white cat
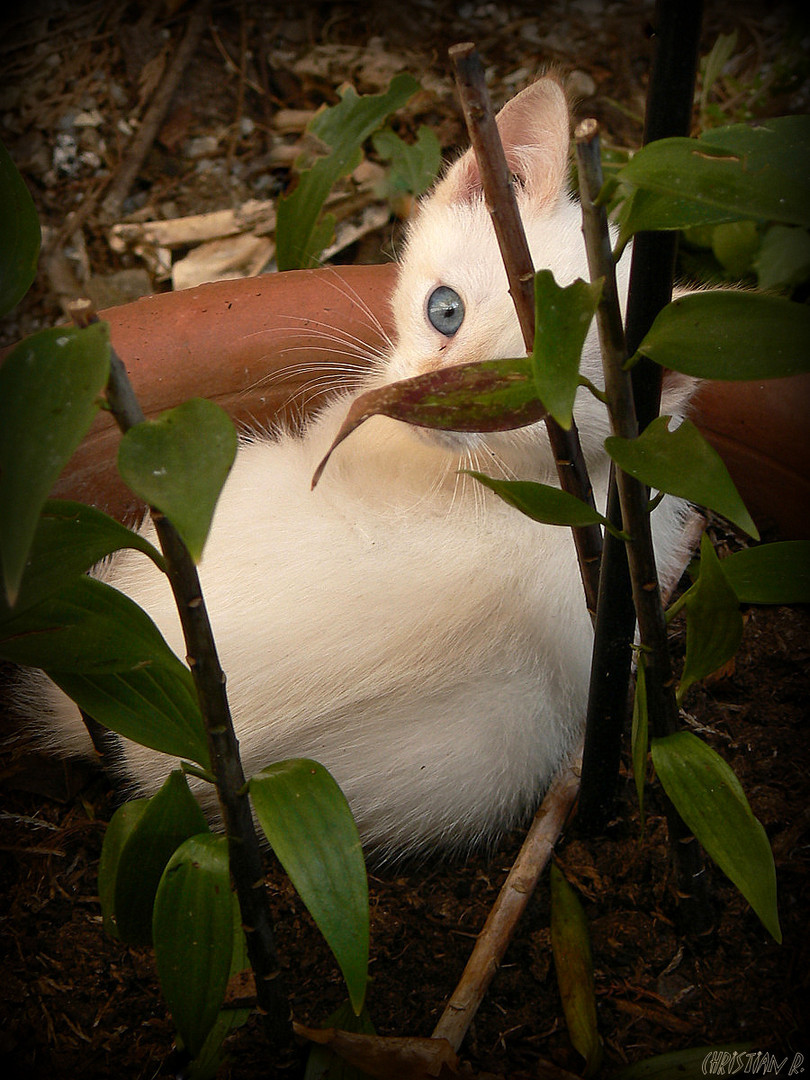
<point>401,624</point>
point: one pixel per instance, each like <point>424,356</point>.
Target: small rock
<point>580,84</point>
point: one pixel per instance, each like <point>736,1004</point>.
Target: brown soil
<point>76,1003</point>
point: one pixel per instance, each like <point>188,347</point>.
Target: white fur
<point>402,625</point>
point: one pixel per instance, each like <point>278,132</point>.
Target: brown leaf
<point>389,1057</point>
<point>661,1018</point>
<point>493,395</point>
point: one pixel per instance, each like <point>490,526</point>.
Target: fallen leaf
<point>390,1057</point>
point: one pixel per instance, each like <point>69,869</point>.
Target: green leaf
<point>714,625</point>
<point>491,395</point>
<point>682,463</point>
<point>571,946</point>
<point>106,654</point>
<point>562,319</point>
<point>206,1064</point>
<point>696,1061</point>
<point>733,336</point>
<point>123,824</point>
<point>140,840</point>
<point>639,738</point>
<point>300,238</point>
<point>709,798</point>
<point>178,463</point>
<point>735,245</point>
<point>307,820</point>
<point>643,210</point>
<point>776,573</point>
<point>86,626</point>
<point>193,933</point>
<point>49,388</point>
<point>155,706</point>
<point>783,260</point>
<point>414,166</point>
<point>755,172</point>
<point>20,235</point>
<point>542,502</point>
<point>70,539</point>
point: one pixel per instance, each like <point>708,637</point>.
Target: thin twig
<point>209,679</point>
<point>515,894</point>
<point>560,798</point>
<point>634,500</point>
<point>633,495</point>
<point>236,124</point>
<point>500,196</point>
<point>150,125</point>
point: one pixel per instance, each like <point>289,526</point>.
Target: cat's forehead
<point>455,245</point>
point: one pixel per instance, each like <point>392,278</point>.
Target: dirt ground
<point>76,1003</point>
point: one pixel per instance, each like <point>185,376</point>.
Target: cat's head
<point>452,302</point>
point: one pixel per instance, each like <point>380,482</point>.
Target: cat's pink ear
<point>534,130</point>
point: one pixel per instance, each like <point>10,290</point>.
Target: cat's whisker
<point>436,484</point>
<point>352,359</point>
<point>462,480</point>
<point>351,293</point>
<point>479,493</point>
<point>337,370</point>
<point>337,334</point>
<point>497,462</point>
<point>320,382</point>
<point>362,362</point>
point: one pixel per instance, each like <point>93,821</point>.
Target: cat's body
<point>426,642</point>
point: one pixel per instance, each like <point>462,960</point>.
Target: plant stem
<point>209,679</point>
<point>500,196</point>
<point>677,26</point>
<point>633,495</point>
<point>669,112</point>
<point>634,500</point>
<point>609,686</point>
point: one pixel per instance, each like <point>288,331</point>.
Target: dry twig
<point>515,894</point>
<point>155,114</point>
<point>560,799</point>
<point>500,196</point>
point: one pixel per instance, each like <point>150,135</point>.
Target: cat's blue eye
<point>445,309</point>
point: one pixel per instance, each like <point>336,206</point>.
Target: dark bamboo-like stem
<point>500,197</point>
<point>209,679</point>
<point>609,685</point>
<point>677,26</point>
<point>662,706</point>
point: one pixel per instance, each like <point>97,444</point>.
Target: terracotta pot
<point>228,341</point>
<point>236,341</point>
<point>762,432</point>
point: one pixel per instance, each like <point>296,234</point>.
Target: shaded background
<point>79,79</point>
